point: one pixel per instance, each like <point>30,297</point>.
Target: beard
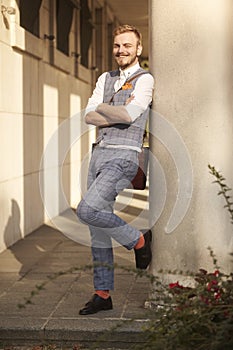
<point>126,61</point>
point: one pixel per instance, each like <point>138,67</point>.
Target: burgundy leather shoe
<point>96,304</point>
<point>143,255</point>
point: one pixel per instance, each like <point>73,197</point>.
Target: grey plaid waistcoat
<point>122,134</point>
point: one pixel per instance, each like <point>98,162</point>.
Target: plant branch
<point>224,189</point>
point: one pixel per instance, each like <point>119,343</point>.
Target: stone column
<point>191,60</point>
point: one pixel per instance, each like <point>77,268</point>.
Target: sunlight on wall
<point>75,151</point>
<point>51,166</point>
<point>11,144</point>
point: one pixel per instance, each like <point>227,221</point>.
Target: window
<point>85,32</point>
<point>110,39</point>
<point>64,21</point>
<point>99,40</point>
<point>29,15</point>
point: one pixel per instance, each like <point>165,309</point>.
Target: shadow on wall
<point>12,232</point>
<point>25,252</point>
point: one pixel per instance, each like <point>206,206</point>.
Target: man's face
<point>126,50</point>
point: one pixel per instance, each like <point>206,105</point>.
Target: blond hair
<point>128,28</point>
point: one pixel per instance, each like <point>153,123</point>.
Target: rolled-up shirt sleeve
<point>97,95</point>
<point>143,93</point>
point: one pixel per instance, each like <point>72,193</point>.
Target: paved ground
<point>54,314</point>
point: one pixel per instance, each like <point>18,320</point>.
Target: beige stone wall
<point>191,59</point>
<point>35,97</point>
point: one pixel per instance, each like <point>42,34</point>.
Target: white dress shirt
<point>142,92</point>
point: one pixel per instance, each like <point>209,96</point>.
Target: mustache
<point>118,55</point>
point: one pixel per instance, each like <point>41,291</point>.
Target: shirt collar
<point>126,73</point>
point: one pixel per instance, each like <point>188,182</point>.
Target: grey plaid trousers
<point>110,171</point>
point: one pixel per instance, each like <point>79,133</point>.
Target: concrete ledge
<point>104,333</point>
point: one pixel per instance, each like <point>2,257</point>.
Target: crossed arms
<point>106,115</point>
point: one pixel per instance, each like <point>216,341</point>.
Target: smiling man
<point>119,107</point>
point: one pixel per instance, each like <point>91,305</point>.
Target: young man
<point>119,107</point>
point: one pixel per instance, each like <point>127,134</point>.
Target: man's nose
<point>120,48</point>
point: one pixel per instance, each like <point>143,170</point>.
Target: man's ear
<point>139,50</point>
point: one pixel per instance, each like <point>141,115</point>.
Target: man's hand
<point>129,100</point>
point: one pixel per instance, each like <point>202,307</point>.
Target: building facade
<point>51,53</point>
